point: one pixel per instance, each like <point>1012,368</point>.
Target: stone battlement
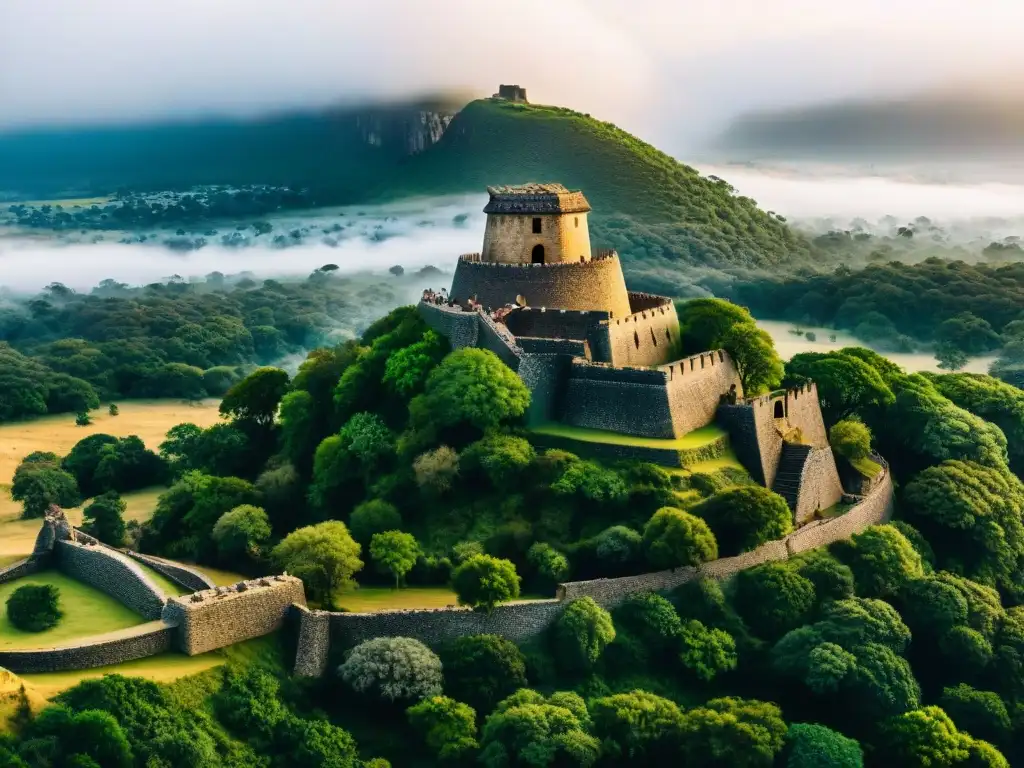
<point>808,388</point>
<point>477,260</point>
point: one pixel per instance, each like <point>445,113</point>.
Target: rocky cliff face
<point>408,132</point>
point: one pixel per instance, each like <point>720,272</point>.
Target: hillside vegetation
<point>646,204</point>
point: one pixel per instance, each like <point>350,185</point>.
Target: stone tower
<point>536,224</point>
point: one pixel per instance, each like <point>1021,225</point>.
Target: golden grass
<point>18,537</point>
<point>87,611</point>
<point>149,419</point>
<point>219,577</point>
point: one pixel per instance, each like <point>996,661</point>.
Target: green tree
<point>705,651</point>
<point>773,599</point>
<point>242,531</point>
<point>753,351</point>
<point>502,459</point>
<point>744,517</point>
<point>850,439</point>
<point>436,470</point>
<point>324,556</point>
<point>316,744</point>
<point>739,733</point>
<point>256,397</point>
<point>113,410</point>
<point>368,440</point>
<point>83,459</point>
<point>372,517</point>
<point>299,432</point>
<point>582,633</point>
<point>637,728</point>
<point>809,745</point>
<point>704,322</point>
<point>38,484</point>
<point>393,669</point>
<point>528,730</point>
<point>470,387</point>
<point>979,713</point>
<point>926,737</point>
<point>34,608</point>
<point>882,561</point>
<point>847,385</point>
<point>104,518</point>
<point>394,552</point>
<point>673,538</point>
<point>483,669</point>
<point>832,579</point>
<point>407,369</point>
<point>550,564</point>
<point>83,419</point>
<point>83,739</point>
<point>483,581</point>
<point>950,357</point>
<point>448,726</point>
<point>651,619</point>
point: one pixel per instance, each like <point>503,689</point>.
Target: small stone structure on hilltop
<point>512,93</point>
<point>597,356</point>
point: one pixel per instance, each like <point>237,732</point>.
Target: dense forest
<point>64,351</point>
<point>901,646</point>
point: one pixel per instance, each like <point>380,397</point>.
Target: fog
<point>672,72</point>
<point>413,235</point>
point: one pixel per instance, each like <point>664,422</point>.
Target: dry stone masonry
<point>113,573</point>
<point>182,575</point>
<point>215,618</point>
<point>116,648</point>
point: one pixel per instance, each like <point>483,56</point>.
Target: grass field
<point>149,419</point>
<point>87,611</point>
<point>370,599</point>
<point>694,439</point>
<point>17,536</point>
<point>168,587</point>
<point>219,577</point>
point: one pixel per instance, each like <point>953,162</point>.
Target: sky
<point>673,71</point>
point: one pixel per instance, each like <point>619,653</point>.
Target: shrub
<point>34,608</point>
<point>104,518</point>
<point>448,726</point>
<point>815,746</point>
<point>483,581</point>
<point>850,439</point>
<point>324,556</point>
<point>550,564</point>
<point>773,599</point>
<point>435,470</point>
<point>673,538</point>
<point>374,516</point>
<point>618,547</point>
<point>483,669</point>
<point>745,517</point>
<point>652,619</point>
<point>706,652</point>
<point>501,458</point>
<point>241,531</point>
<point>581,634</point>
<point>393,668</point>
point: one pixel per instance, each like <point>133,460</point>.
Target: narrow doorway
<point>538,254</point>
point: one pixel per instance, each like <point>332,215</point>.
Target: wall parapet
<point>118,647</point>
<point>26,567</point>
<point>476,259</point>
<point>182,575</point>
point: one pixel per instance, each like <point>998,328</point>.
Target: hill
<point>649,206</point>
<point>949,125</point>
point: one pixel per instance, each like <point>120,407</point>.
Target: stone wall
<point>218,617</point>
<point>552,323</point>
<point>319,631</point>
<point>569,347</point>
<point>545,376</point>
<point>593,285</point>
<point>510,239</point>
<point>182,575</point>
<point>497,338</point>
<point>695,388</point>
<point>25,567</point>
<point>803,410</point>
<point>618,406</point>
<point>114,648</point>
<point>647,337</point>
<point>113,573</point>
<point>460,328</point>
<point>820,486</point>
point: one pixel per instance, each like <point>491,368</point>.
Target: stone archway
<point>537,257</point>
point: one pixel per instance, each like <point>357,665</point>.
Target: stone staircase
<point>791,466</point>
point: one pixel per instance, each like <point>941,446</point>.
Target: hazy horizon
<point>672,74</point>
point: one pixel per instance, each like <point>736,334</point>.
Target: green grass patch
<point>695,439</point>
<point>836,510</point>
<point>217,576</point>
<point>165,585</point>
<point>866,466</point>
<point>727,460</point>
<point>87,612</point>
<point>371,599</point>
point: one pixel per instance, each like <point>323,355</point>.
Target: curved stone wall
<point>319,631</point>
<point>592,285</point>
<point>99,651</point>
<point>21,568</point>
<point>180,574</point>
<point>111,572</point>
<point>223,616</point>
<point>820,486</point>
